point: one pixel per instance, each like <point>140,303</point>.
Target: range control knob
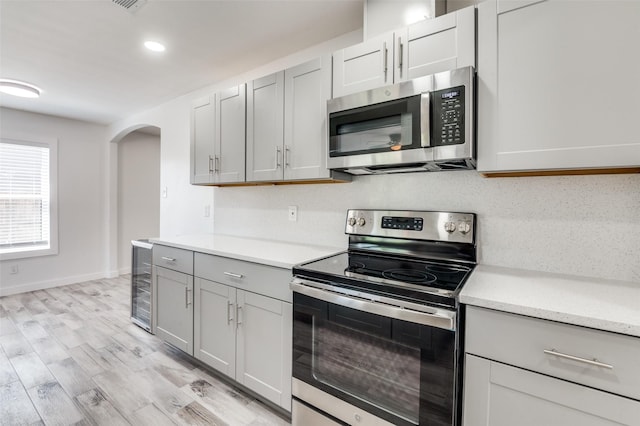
<point>449,227</point>
<point>361,221</point>
<point>352,221</point>
<point>464,227</point>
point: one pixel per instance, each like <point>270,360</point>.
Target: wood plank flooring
<point>71,356</point>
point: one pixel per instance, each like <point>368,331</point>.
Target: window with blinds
<point>25,197</point>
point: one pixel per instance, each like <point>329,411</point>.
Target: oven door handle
<point>438,318</point>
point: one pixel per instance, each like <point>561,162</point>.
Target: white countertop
<point>601,304</point>
<point>266,252</point>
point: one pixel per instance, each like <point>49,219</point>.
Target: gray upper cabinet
<point>203,134</point>
<point>287,124</point>
<point>558,85</point>
<point>265,128</point>
<point>364,66</point>
<point>218,137</point>
<point>307,87</point>
<point>435,45</point>
<point>229,159</point>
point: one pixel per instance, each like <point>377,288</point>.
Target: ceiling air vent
<point>130,5</point>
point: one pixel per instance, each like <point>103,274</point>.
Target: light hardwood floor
<point>70,355</point>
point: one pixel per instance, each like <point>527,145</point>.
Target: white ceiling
<point>87,56</point>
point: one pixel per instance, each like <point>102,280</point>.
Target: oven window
<point>376,370</point>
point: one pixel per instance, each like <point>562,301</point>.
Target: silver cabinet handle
<point>229,312</point>
<point>593,362</point>
<point>400,48</point>
<point>211,166</point>
<point>216,164</point>
<point>278,162</point>
<point>168,259</point>
<point>287,154</point>
<point>239,318</point>
<point>187,302</point>
<point>231,274</point>
<point>385,60</point>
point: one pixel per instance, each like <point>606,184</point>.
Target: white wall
<point>583,225</point>
<point>82,228</point>
<point>138,192</point>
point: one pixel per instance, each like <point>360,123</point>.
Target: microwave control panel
<point>447,115</point>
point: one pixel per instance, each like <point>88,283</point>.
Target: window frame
<point>52,144</point>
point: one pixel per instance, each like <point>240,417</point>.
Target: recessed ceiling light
<point>154,46</point>
<point>19,88</point>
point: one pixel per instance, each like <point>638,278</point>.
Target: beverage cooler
<point>141,283</point>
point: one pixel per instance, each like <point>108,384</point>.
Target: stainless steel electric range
<point>377,329</point>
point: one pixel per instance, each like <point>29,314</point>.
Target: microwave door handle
<point>425,124</point>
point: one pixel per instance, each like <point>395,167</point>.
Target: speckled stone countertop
<point>588,302</point>
<point>266,252</point>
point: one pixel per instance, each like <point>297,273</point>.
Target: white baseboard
<point>56,282</point>
<point>123,271</point>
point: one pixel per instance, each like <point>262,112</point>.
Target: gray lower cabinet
<point>530,372</point>
<point>243,323</point>
<point>173,307</point>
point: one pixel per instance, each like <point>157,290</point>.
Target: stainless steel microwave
<point>425,124</point>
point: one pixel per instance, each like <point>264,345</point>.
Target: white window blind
<point>25,189</point>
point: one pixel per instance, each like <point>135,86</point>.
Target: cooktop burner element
<point>425,264</point>
<point>407,275</point>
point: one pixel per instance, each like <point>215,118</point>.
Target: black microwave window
<point>382,127</point>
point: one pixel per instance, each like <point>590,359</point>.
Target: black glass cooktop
<point>407,278</point>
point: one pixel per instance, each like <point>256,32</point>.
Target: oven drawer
<point>262,279</point>
<point>173,258</point>
<point>556,349</point>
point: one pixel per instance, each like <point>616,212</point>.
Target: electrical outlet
<point>293,213</point>
<point>207,210</point>
<point>164,192</point>
<point>14,269</point>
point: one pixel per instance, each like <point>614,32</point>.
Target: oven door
<point>394,364</point>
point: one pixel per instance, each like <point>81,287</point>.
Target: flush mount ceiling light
<point>19,88</point>
<point>154,46</point>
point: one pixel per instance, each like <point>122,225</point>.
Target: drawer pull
<point>593,362</point>
<point>231,274</point>
<point>168,259</point>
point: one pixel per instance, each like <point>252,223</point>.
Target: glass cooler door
<point>141,283</point>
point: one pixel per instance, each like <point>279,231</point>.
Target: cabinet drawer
<point>261,279</point>
<point>522,341</point>
<point>173,258</point>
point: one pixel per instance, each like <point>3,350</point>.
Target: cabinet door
<point>500,395</point>
<point>364,66</point>
<point>264,347</point>
<point>173,307</point>
<point>307,89</point>
<point>230,135</point>
<point>265,128</point>
<point>215,326</point>
<point>203,119</point>
<point>555,90</point>
<point>436,45</point>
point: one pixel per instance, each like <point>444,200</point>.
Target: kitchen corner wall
<point>582,225</point>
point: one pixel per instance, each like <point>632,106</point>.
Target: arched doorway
<point>138,190</point>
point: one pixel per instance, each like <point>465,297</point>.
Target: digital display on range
<point>404,223</point>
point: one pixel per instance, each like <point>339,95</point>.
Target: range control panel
<point>415,225</point>
<point>447,114</point>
